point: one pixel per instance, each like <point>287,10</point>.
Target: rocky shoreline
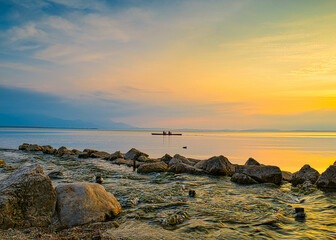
<point>76,206</point>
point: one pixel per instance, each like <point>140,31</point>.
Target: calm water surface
<point>288,150</point>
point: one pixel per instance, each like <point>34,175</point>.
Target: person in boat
<point>164,132</point>
<point>169,133</point>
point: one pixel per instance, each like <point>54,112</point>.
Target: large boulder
<point>114,156</point>
<point>262,174</point>
<point>306,173</point>
<point>152,167</point>
<point>81,203</point>
<point>218,165</point>
<point>242,179</point>
<point>252,161</point>
<point>27,199</point>
<point>184,168</point>
<point>328,178</point>
<point>286,175</point>
<point>62,151</point>
<point>99,154</point>
<point>180,159</point>
<point>134,154</point>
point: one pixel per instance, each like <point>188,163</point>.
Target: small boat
<point>169,133</point>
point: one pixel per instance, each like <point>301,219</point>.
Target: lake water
<point>221,208</point>
<point>288,150</point>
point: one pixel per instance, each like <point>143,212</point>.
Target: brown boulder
<point>262,174</point>
<point>328,178</point>
<point>242,179</point>
<point>152,167</point>
<point>99,154</point>
<point>114,156</point>
<point>218,165</point>
<point>134,154</point>
<point>252,161</point>
<point>306,173</point>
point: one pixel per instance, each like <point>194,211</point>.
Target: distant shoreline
<point>162,129</point>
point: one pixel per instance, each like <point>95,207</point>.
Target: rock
<point>89,151</point>
<point>134,154</point>
<point>2,163</point>
<point>34,147</point>
<point>152,167</point>
<point>56,175</point>
<point>335,163</point>
<point>83,155</point>
<point>252,161</point>
<point>81,203</point>
<point>306,187</point>
<point>10,168</point>
<point>47,149</point>
<point>24,146</point>
<point>306,173</point>
<point>143,158</point>
<point>242,179</point>
<point>176,218</point>
<point>192,193</point>
<point>99,179</point>
<point>27,199</point>
<point>166,158</point>
<point>328,178</point>
<point>286,175</point>
<point>180,159</point>
<point>114,156</point>
<point>299,213</point>
<point>262,174</point>
<point>75,151</point>
<point>185,168</point>
<point>99,154</point>
<point>62,151</point>
<point>218,165</point>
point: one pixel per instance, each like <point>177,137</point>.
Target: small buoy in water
<point>185,147</point>
<point>299,213</point>
<point>192,193</point>
<point>99,179</point>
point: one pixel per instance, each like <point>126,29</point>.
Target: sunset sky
<point>226,64</point>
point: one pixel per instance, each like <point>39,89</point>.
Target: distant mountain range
<point>34,120</point>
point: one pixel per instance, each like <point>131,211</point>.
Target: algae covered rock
<point>27,199</point>
<point>306,173</point>
<point>81,203</point>
<point>218,165</point>
<point>152,167</point>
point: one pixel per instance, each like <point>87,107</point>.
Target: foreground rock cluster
<point>28,199</point>
<point>252,172</point>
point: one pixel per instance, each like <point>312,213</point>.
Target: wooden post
<point>134,165</point>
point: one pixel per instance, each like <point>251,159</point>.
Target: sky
<point>197,64</point>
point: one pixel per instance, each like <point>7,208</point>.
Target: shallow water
<point>288,150</point>
<point>220,210</point>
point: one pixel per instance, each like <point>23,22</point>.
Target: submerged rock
<point>218,165</point>
<point>56,175</point>
<point>252,161</point>
<point>242,179</point>
<point>328,178</point>
<point>99,179</point>
<point>114,156</point>
<point>306,173</point>
<point>152,167</point>
<point>81,203</point>
<point>134,154</point>
<point>27,199</point>
<point>262,174</point>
